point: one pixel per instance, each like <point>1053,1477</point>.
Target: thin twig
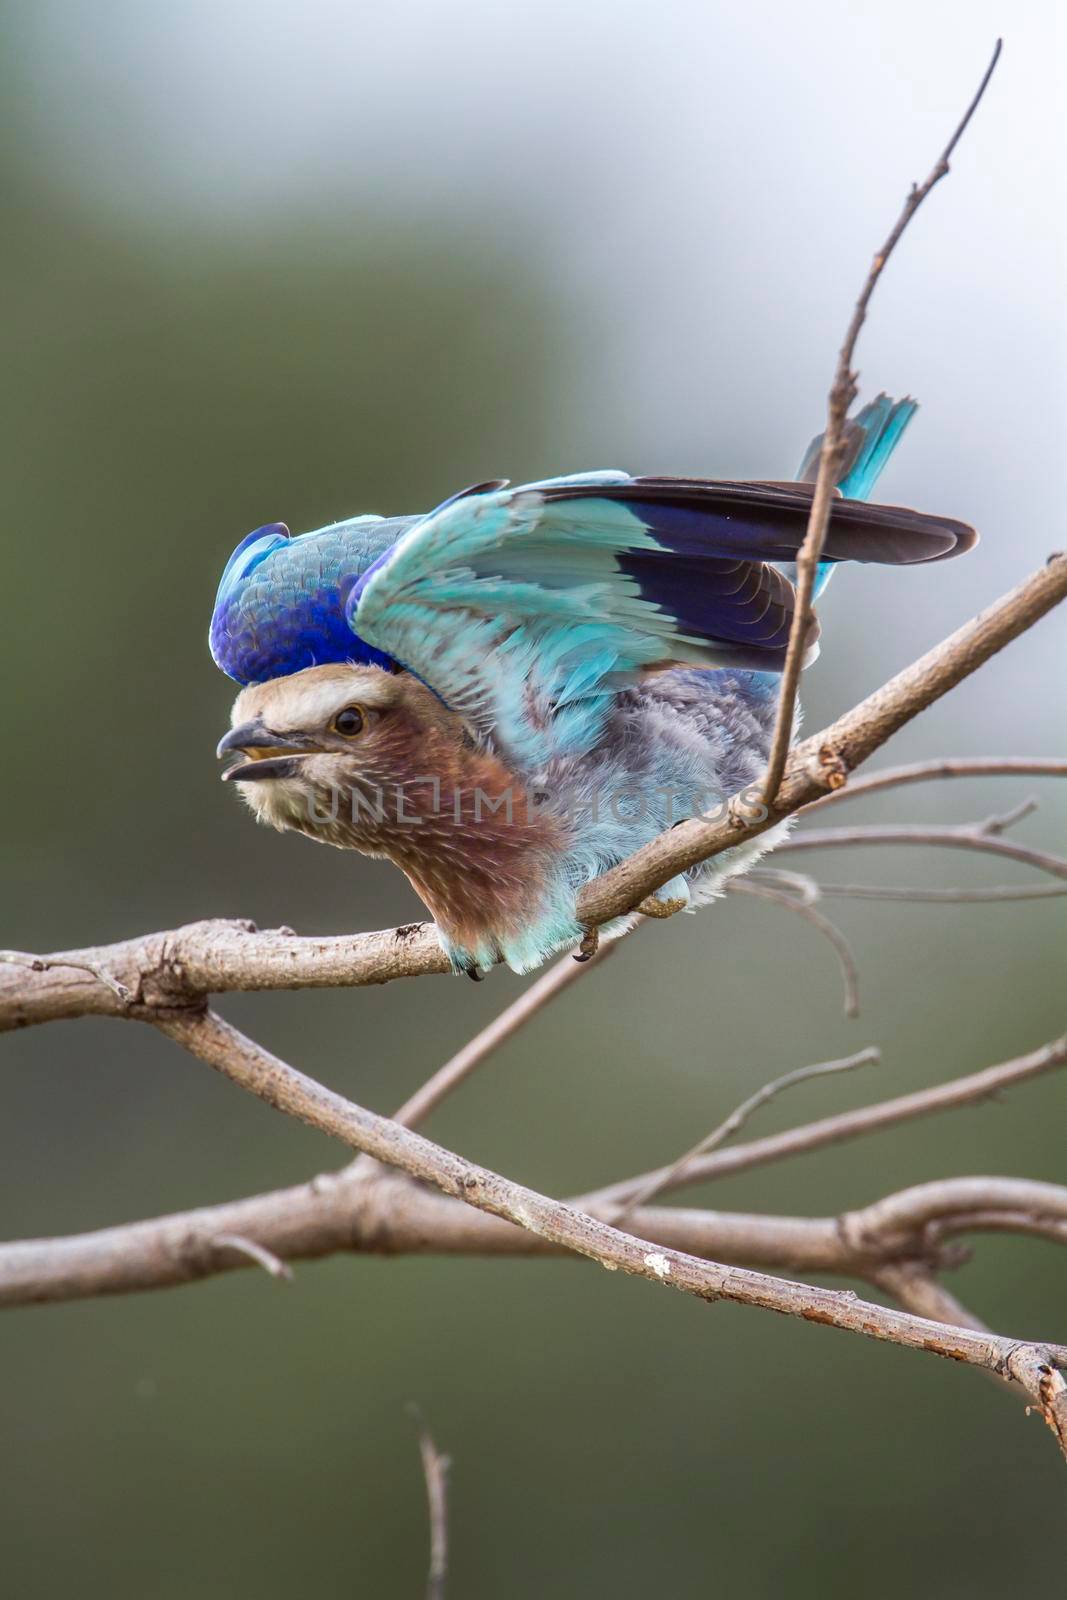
<point>1001,821</point>
<point>952,837</point>
<point>435,1473</point>
<point>256,1252</point>
<point>565,972</point>
<point>809,891</point>
<point>830,932</point>
<point>824,761</point>
<point>675,1174</point>
<point>842,394</point>
<point>32,963</point>
<point>798,884</point>
<point>947,767</point>
<point>992,894</point>
<point>971,1089</point>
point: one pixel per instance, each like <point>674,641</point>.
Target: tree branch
<point>381,1213</point>
<point>992,894</point>
<point>164,973</point>
<point>559,1225</point>
<point>540,993</point>
<point>824,762</point>
<point>801,907</point>
<point>972,1089</point>
<point>677,1174</point>
<point>948,767</point>
<point>842,394</point>
<point>950,838</point>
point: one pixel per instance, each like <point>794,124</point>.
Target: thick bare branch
<point>382,1213</point>
<point>563,1226</point>
<point>164,973</point>
<point>957,1205</point>
<point>842,394</point>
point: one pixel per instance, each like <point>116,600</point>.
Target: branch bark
<point>378,1213</point>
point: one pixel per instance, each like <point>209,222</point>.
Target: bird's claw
<point>589,946</point>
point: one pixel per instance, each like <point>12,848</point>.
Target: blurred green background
<point>267,261</point>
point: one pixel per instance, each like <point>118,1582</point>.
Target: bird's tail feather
<point>871,437</point>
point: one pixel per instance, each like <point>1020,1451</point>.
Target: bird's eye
<point>348,722</point>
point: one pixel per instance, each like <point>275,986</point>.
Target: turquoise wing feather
<point>526,609</point>
<point>514,609</point>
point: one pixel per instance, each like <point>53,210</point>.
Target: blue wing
<point>575,584</point>
<point>513,606</point>
<point>526,609</point>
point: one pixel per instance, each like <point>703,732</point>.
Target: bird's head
<point>307,743</point>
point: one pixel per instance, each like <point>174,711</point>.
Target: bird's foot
<point>662,908</point>
<point>668,900</point>
<point>589,946</point>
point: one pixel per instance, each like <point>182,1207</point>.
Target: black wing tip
<point>967,537</point>
<point>860,530</point>
<point>954,537</point>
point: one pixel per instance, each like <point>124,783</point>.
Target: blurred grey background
<point>276,261</point>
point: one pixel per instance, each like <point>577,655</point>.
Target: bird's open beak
<point>270,755</point>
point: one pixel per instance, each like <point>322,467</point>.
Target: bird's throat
<point>478,846</point>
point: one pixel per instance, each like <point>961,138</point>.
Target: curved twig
<point>676,1174</point>
<point>258,1253</point>
<point>950,837</point>
<point>435,1473</point>
<point>829,930</point>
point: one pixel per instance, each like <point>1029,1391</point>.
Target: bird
<point>510,694</point>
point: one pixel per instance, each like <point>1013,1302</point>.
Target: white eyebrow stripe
<point>307,699</point>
